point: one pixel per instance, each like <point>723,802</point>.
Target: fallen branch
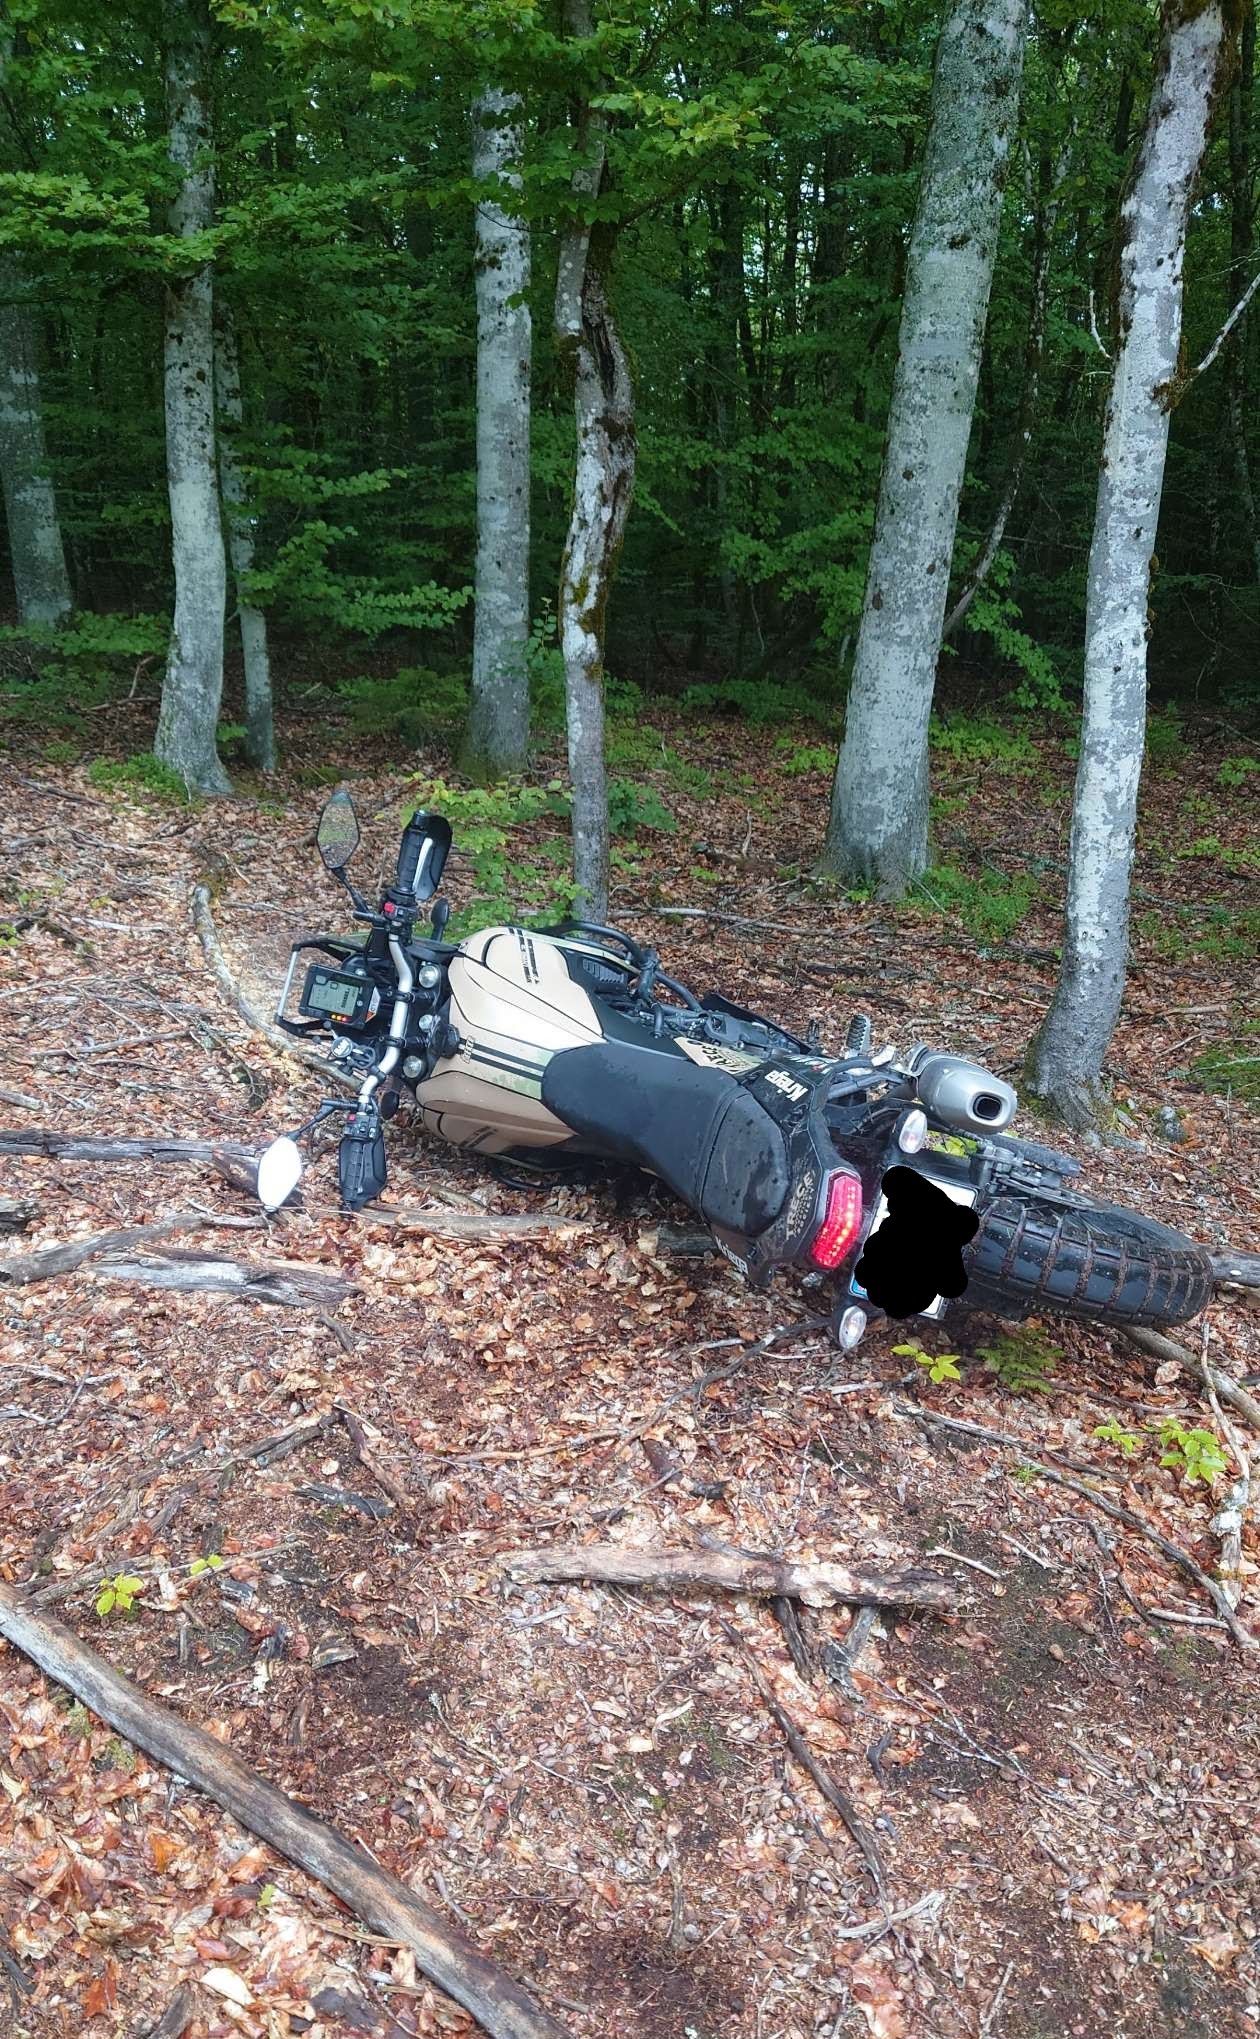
<point>838,1799</point>
<point>20,1099</point>
<point>1231,1517</point>
<point>444,1953</point>
<point>51,1261</point>
<point>177,2016</point>
<point>257,1281</point>
<point>1172,1551</point>
<point>15,1213</point>
<point>49,1146</point>
<point>473,1224</point>
<point>818,1585</point>
<point>367,1458</point>
<point>1236,1270</point>
<point>1230,1391</point>
<point>243,1006</point>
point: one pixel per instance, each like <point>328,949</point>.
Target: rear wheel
<point>1091,1261</point>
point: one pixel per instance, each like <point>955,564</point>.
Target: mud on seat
<point>698,1129</point>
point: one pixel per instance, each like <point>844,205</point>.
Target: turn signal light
<point>842,1222</point>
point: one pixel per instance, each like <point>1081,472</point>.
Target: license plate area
<point>958,1192</point>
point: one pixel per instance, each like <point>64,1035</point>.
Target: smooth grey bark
<point>260,735</point>
<point>1066,1060</point>
<point>497,737</point>
<point>41,583</point>
<point>878,828</point>
<point>588,342</point>
<point>193,685</point>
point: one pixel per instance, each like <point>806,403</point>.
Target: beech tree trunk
<point>40,580</point>
<point>497,738</point>
<point>193,685</point>
<point>1066,1060</point>
<point>603,404</point>
<point>260,735</point>
<point>878,830</point>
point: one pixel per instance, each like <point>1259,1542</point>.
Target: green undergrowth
<point>143,774</point>
<point>1232,1067</point>
<point>990,906</point>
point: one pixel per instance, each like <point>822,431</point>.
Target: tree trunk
<point>1066,1060</point>
<point>260,735</point>
<point>1241,213</point>
<point>879,813</point>
<point>498,725</point>
<point>603,404</point>
<point>193,685</point>
<point>40,580</point>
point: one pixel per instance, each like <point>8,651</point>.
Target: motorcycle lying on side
<point>568,1042</point>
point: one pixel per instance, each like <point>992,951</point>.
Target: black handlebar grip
<point>410,850</point>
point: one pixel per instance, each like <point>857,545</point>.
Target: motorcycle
<point>545,1045</point>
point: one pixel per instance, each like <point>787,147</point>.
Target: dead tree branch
<point>1230,1391</point>
<point>473,1224</point>
<point>51,1261</point>
<point>242,1004</point>
<point>48,1145</point>
<point>446,1954</point>
<point>256,1281</point>
<point>818,1585</point>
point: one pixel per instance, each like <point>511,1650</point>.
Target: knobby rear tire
<point>1095,1262</point>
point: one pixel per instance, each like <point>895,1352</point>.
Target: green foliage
<point>1236,771</point>
<point>142,774</point>
<point>761,702</point>
<point>983,740</point>
<point>303,580</point>
<point>943,1366</point>
<point>1113,1432</point>
<point>798,759</point>
<point>1233,1066</point>
<point>1165,737</point>
<point>415,705</point>
<point>212,1562</point>
<point>634,807</point>
<point>990,906</point>
<point>1195,1454</point>
<point>53,677</point>
<point>1042,672</point>
<point>118,1595</point>
<point>1022,1360</point>
<point>506,888</point>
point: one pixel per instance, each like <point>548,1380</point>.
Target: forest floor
<point>1062,1778</point>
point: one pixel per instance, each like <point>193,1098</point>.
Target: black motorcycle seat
<point>698,1129</point>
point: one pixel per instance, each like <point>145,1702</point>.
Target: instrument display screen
<point>336,994</point>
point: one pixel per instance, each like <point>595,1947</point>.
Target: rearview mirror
<point>337,836</point>
<point>279,1172</point>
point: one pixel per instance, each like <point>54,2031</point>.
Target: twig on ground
<point>1173,1551</point>
<point>473,1224</point>
<point>243,1006</point>
<point>51,1146</point>
<point>51,1261</point>
<point>930,1905</point>
<point>269,1450</point>
<point>444,1953</point>
<point>1236,1270</point>
<point>840,1660</point>
<point>837,1798</point>
<point>1161,1347</point>
<point>1230,1519</point>
<point>818,1585</point>
<point>368,1460</point>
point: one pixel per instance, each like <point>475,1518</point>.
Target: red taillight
<point>842,1221</point>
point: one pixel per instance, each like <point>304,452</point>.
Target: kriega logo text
<point>787,1084</point>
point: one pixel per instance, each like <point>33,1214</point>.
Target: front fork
<point>361,1170</point>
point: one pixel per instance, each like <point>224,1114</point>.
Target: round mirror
<point>279,1172</point>
<point>338,833</point>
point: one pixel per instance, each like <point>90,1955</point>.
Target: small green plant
<point>1236,771</point>
<point>49,676</point>
<point>414,704</point>
<point>990,906</point>
<point>229,740</point>
<point>1232,1066</point>
<point>1165,737</point>
<point>1112,1432</point>
<point>941,1366</point>
<point>981,739</point>
<point>212,1562</point>
<point>760,702</point>
<point>118,1595</point>
<point>141,774</point>
<point>61,751</point>
<point>632,807</point>
<point>1195,1454</point>
<point>797,759</point>
<point>266,1896</point>
<point>1022,1361</point>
